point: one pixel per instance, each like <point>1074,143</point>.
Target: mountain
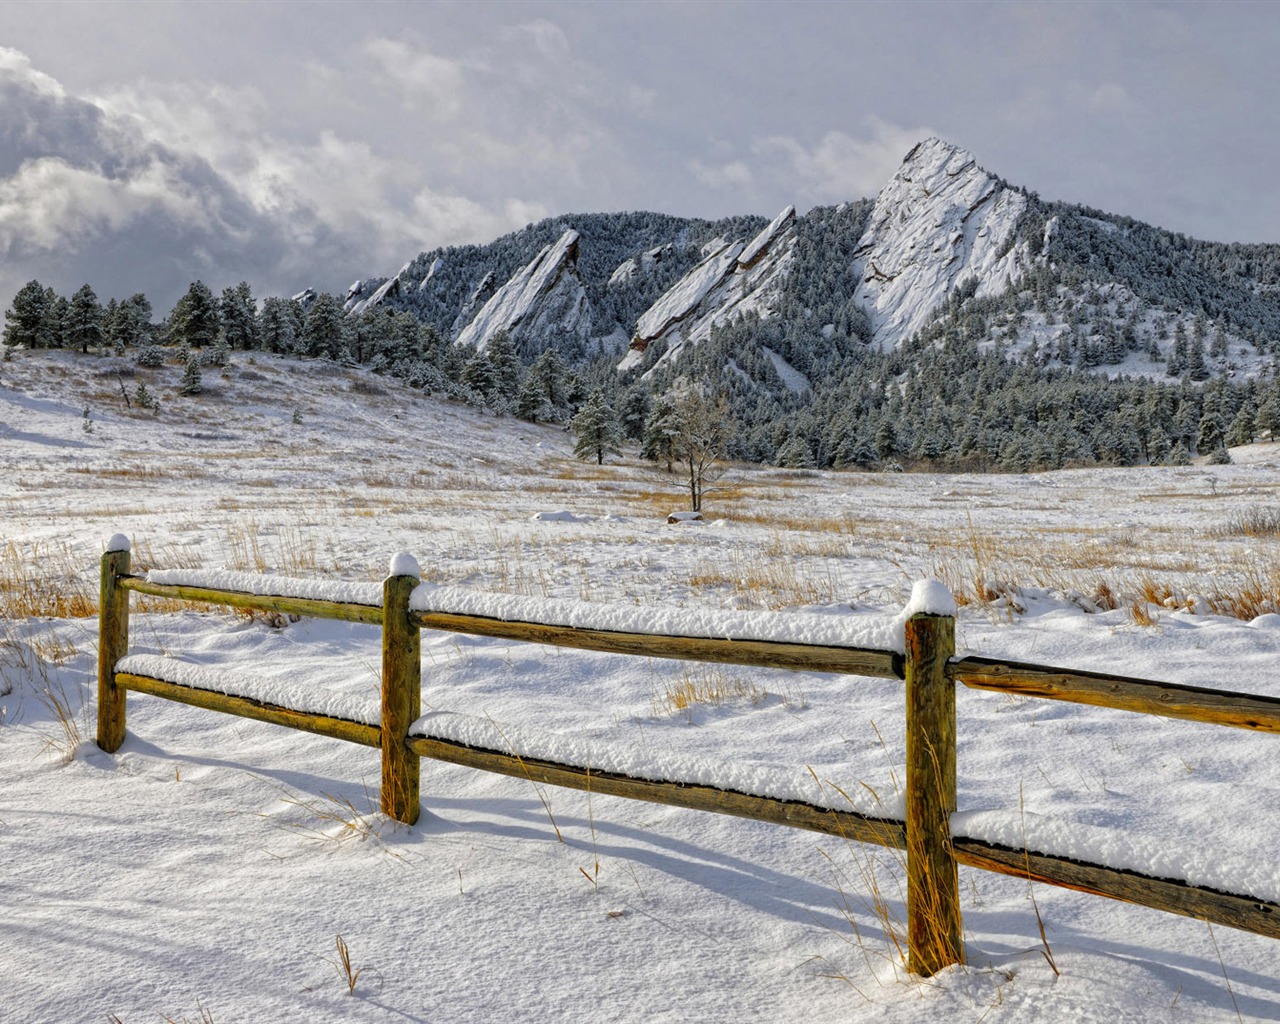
<point>954,320</point>
<point>545,295</point>
<point>578,283</point>
<point>943,241</point>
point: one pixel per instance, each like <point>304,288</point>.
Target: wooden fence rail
<point>927,667</point>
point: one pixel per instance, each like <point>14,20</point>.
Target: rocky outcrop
<point>940,222</point>
<point>734,277</point>
<point>543,299</point>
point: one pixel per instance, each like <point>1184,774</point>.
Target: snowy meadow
<point>216,869</point>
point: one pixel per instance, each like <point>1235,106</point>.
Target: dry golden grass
<point>710,686</point>
<point>169,555</point>
<point>1103,570</point>
<point>1256,592</point>
<point>43,579</point>
<point>140,472</point>
<point>67,708</point>
<point>249,550</point>
<point>1256,521</point>
<point>757,582</point>
<point>1141,614</point>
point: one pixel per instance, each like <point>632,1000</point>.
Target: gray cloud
<point>148,187</point>
<point>308,143</point>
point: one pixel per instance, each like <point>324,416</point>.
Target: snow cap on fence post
<point>930,597</point>
<point>119,542</point>
<point>404,564</point>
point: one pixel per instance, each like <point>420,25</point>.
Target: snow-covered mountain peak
<point>934,158</point>
<point>940,221</point>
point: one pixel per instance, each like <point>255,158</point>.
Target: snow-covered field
<point>205,871</point>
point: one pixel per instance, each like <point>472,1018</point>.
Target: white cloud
<point>52,205</point>
<point>734,174</point>
<point>195,173</point>
<point>840,166</point>
<point>15,63</point>
<point>425,81</point>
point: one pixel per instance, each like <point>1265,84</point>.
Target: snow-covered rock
<point>941,221</point>
<point>629,268</point>
<point>733,278</point>
<point>544,297</point>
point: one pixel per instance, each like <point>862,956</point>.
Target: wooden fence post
<point>401,691</point>
<point>113,643</point>
<point>933,898</point>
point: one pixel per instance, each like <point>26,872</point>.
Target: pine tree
<point>658,443</point>
<point>1158,447</point>
<point>1241,431</point>
<point>794,453</point>
<point>24,321</point>
<point>1196,367</point>
<point>507,369</point>
<point>478,374</point>
<point>84,324</point>
<point>280,325</point>
<point>194,320</point>
<point>239,321</point>
<point>1267,420</point>
<point>221,354</point>
<point>547,379</point>
<point>597,430</point>
<point>109,317</point>
<point>886,440</point>
<point>53,328</point>
<point>633,410</point>
<point>324,334</point>
<point>191,383</point>
<point>145,399</point>
<point>1177,362</point>
<point>132,323</point>
<point>1209,436</point>
<point>529,401</point>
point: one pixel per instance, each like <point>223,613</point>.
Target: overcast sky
<point>144,145</point>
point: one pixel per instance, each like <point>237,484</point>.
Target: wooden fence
<point>928,668</point>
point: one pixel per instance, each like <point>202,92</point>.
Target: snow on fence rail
<point>917,647</point>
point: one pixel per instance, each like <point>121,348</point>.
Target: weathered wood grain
<point>308,607</point>
<point>113,644</point>
<point>401,699</point>
<point>1230,909</point>
<point>757,653</point>
<point>1169,700</point>
<point>797,814</point>
<point>933,888</point>
<point>246,707</point>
